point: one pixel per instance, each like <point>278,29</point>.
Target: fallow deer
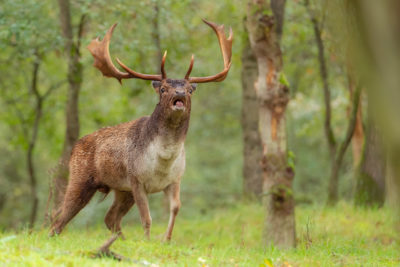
<point>139,157</point>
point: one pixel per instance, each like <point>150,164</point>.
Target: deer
<point>140,157</point>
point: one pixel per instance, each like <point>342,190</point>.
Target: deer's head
<point>175,95</point>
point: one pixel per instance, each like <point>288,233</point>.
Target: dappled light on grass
<point>229,237</point>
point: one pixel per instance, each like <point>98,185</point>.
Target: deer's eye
<point>162,90</point>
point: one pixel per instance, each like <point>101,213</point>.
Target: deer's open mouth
<point>178,103</point>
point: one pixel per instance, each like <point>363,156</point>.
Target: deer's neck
<point>169,127</point>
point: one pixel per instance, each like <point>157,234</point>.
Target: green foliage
<point>27,26</point>
<point>283,80</point>
<point>226,237</point>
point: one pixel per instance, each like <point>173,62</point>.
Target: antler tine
<point>163,74</point>
<point>190,68</point>
<point>101,53</point>
<point>226,50</point>
<point>102,60</point>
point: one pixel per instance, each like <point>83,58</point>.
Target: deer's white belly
<point>162,164</point>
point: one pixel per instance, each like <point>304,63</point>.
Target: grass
<point>340,236</point>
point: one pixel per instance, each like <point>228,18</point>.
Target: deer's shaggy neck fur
<point>168,125</point>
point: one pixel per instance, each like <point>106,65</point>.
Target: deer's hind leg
<point>123,202</point>
<point>78,194</point>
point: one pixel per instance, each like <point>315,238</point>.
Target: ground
<point>340,236</point>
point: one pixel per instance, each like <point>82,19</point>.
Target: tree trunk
<point>32,144</point>
<point>261,23</point>
<point>252,151</point>
<point>333,187</point>
<point>370,184</point>
<point>75,76</point>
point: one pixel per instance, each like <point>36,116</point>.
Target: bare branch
<point>81,27</point>
<point>35,73</point>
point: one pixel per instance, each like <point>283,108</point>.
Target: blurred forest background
<point>35,83</point>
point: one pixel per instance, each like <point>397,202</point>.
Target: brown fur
<point>132,159</point>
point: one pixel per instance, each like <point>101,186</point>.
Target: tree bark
<point>252,151</point>
<point>279,227</point>
<point>370,183</point>
<point>75,76</point>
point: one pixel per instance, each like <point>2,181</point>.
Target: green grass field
<point>340,236</point>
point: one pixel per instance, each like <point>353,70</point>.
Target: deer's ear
<point>194,86</point>
<point>156,85</point>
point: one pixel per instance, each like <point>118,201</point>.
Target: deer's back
<point>103,156</point>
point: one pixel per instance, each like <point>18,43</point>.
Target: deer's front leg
<point>172,192</point>
<point>140,196</point>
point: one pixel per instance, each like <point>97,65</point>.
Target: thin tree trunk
<point>333,186</point>
<point>32,144</point>
<point>252,149</point>
<point>39,100</point>
<point>279,227</point>
<point>75,76</point>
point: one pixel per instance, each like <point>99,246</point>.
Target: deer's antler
<point>102,61</point>
<point>226,49</point>
<point>101,53</point>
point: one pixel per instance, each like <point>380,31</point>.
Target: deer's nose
<point>180,93</point>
